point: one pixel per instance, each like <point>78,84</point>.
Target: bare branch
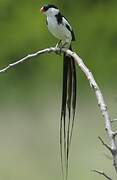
<point>100,100</point>
<point>44,51</point>
<point>113,120</point>
<point>115,133</point>
<point>104,144</point>
<point>102,173</point>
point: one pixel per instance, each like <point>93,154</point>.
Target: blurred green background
<point>30,94</point>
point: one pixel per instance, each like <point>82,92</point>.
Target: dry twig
<point>100,100</point>
<point>102,173</point>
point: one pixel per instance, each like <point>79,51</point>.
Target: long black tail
<point>68,102</point>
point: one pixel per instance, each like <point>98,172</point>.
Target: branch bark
<point>100,100</point>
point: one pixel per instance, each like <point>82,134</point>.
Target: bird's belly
<point>58,30</point>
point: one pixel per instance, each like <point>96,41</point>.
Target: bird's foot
<point>58,45</point>
<point>65,45</point>
<point>61,45</point>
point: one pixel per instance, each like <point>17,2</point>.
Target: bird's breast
<point>58,30</point>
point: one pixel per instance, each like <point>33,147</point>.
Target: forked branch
<point>103,174</point>
<point>100,100</point>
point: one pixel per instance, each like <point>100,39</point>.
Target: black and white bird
<point>60,28</point>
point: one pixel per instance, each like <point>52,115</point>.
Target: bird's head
<point>49,10</point>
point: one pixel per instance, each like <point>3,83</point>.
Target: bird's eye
<point>45,8</point>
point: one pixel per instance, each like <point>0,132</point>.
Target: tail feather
<point>63,115</point>
<point>68,102</point>
<point>69,90</point>
<point>73,97</point>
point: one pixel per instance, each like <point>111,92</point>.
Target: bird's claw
<point>59,51</point>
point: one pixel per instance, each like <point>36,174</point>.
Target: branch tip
<point>104,144</point>
<point>114,134</point>
<point>102,173</point>
<point>114,120</point>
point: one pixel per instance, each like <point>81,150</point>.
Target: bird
<point>60,28</point>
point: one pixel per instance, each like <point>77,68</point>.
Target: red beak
<point>42,10</point>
